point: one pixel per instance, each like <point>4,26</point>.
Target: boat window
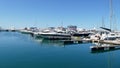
<point>112,34</point>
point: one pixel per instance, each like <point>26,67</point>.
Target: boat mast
<point>62,24</point>
<point>103,24</point>
<point>111,14</point>
<point>115,23</point>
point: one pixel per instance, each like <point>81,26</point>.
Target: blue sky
<point>46,13</point>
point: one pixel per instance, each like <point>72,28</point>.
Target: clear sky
<point>46,13</point>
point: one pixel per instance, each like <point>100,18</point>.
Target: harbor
<point>73,36</point>
<point>59,34</point>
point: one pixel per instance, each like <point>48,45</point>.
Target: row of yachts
<point>56,35</point>
<point>68,35</point>
<point>62,35</point>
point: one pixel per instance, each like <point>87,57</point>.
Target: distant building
<point>72,28</point>
<point>48,29</point>
<point>81,29</point>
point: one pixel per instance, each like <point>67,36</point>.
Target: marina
<point>66,39</point>
<point>59,34</point>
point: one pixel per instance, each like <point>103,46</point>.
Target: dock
<point>113,42</point>
<point>105,45</point>
<point>102,51</point>
<point>65,42</point>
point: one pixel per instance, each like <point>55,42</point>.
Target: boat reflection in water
<point>110,54</point>
<point>57,43</point>
<point>106,48</point>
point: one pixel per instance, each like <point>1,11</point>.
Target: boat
<point>26,31</point>
<point>81,34</point>
<point>53,36</point>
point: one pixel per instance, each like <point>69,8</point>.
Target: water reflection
<point>49,42</point>
<point>107,54</point>
<point>44,42</point>
<point>110,60</point>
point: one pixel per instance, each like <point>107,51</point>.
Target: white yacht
<point>26,31</point>
<point>110,36</point>
<point>52,35</point>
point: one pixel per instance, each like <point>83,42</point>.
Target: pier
<point>105,45</point>
<point>65,42</point>
<point>113,42</point>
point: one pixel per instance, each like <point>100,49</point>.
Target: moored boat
<point>53,36</point>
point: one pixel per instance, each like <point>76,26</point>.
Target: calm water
<point>22,51</point>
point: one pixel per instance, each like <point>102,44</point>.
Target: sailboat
<point>108,34</point>
<point>111,35</point>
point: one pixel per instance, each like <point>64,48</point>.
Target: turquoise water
<point>23,51</point>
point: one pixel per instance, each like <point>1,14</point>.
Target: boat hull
<point>54,36</point>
